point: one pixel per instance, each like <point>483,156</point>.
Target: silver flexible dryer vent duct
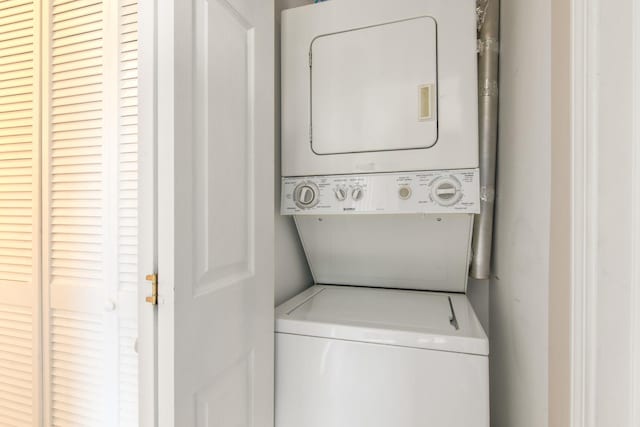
<point>488,63</point>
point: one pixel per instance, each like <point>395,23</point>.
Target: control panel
<point>443,191</point>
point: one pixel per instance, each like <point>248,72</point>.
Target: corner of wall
<point>292,273</point>
<point>560,229</point>
<point>519,286</point>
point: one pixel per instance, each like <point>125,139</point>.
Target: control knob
<point>446,191</point>
<point>341,193</point>
<point>306,195</point>
<point>357,193</point>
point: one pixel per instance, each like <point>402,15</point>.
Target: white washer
<point>364,357</point>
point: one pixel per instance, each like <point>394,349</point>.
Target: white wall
<point>613,190</point>
<point>291,270</point>
<point>615,151</point>
<point>519,285</point>
<point>478,294</point>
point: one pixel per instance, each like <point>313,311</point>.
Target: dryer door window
<point>375,88</point>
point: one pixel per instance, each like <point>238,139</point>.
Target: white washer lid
<point>403,318</point>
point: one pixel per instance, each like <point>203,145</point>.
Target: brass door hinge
<point>153,298</point>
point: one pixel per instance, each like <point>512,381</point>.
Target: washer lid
<point>427,320</point>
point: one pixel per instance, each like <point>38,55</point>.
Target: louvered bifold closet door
<point>90,224</point>
<point>128,210</point>
<point>19,214</point>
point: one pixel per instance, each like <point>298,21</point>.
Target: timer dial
<point>446,191</point>
<point>306,195</point>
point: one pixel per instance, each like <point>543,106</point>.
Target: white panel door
<point>215,212</point>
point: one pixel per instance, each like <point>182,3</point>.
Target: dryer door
<point>374,88</point>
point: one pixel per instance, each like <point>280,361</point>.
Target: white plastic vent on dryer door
<point>374,88</point>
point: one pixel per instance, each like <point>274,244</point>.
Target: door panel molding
<point>605,233</point>
<point>222,35</point>
<point>584,207</point>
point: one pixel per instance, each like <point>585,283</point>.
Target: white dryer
<point>379,86</point>
<point>380,172</point>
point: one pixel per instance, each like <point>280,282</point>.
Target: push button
<point>404,192</point>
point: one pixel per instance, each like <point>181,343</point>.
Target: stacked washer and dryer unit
<point>380,172</point>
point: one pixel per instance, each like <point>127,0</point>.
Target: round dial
<point>446,191</point>
<point>404,192</point>
<point>306,195</point>
<point>357,193</point>
<point>341,193</point>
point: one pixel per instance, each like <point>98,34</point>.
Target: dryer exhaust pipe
<point>488,12</point>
